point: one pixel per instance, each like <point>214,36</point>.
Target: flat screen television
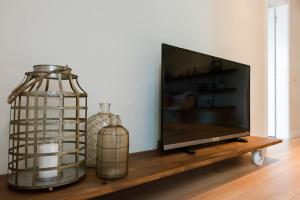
<point>203,98</point>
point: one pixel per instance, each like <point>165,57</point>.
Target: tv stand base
<point>241,139</point>
<point>188,150</point>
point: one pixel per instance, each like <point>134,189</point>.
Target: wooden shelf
<point>143,167</point>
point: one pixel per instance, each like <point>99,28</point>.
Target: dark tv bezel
<point>163,146</point>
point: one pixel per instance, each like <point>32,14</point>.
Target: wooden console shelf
<point>143,167</point>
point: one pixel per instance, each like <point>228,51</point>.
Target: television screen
<point>204,98</point>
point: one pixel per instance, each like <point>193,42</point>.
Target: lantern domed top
<point>49,68</point>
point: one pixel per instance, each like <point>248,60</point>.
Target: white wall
<point>282,72</point>
<point>271,72</point>
<point>282,99</point>
<point>294,67</point>
<point>114,46</point>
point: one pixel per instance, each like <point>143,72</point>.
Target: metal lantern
<point>112,150</point>
<point>47,129</point>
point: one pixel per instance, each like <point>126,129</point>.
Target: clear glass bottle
<point>94,125</point>
<point>112,150</point>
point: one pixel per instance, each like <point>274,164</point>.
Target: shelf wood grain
<point>143,167</point>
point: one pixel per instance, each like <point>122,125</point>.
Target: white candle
<point>48,161</point>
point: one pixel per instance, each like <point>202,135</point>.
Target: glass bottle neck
<point>114,120</point>
<point>104,107</point>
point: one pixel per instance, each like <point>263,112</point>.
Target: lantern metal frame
<point>30,122</point>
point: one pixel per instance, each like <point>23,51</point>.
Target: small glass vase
<point>112,151</point>
<point>94,124</point>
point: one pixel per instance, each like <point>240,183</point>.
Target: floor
<point>234,179</point>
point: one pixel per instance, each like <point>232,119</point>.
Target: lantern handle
<point>23,86</point>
